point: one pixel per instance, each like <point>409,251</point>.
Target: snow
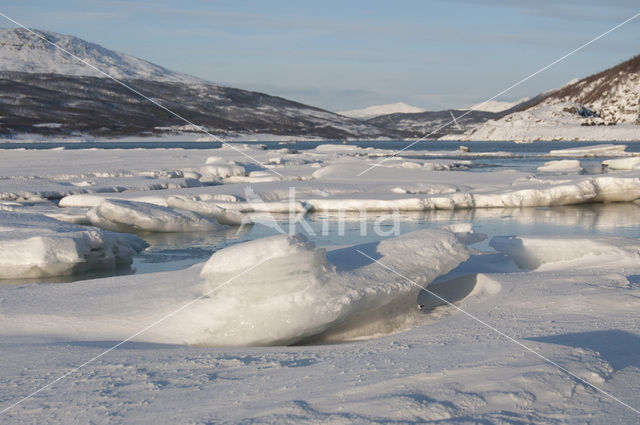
<point>610,98</point>
<point>21,51</point>
<point>449,369</point>
<point>32,246</point>
<point>547,121</point>
<point>372,346</point>
<point>298,282</point>
<point>378,110</point>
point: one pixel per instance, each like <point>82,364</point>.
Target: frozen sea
<point>171,251</point>
<point>538,253</point>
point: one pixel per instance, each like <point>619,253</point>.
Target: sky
<point>349,54</point>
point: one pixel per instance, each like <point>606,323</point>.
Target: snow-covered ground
<point>206,344</point>
<point>603,106</point>
<point>548,121</point>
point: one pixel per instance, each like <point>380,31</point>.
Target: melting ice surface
<point>175,251</point>
<point>314,289</point>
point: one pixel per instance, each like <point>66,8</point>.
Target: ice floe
<point>557,190</point>
<point>276,290</point>
<point>33,245</point>
<point>219,167</point>
<point>122,215</point>
<point>533,252</point>
<point>622,163</point>
<point>210,209</point>
<point>296,291</point>
<point>591,151</point>
<point>562,166</point>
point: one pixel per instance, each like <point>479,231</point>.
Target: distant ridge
<point>497,105</point>
<point>378,110</point>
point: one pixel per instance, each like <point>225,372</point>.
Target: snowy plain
<point>369,346</point>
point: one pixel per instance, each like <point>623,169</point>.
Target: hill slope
<point>45,91</point>
<point>423,123</point>
<point>21,51</point>
<point>603,106</point>
<point>378,110</point>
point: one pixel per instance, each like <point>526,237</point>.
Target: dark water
<point>525,156</point>
<point>525,149</point>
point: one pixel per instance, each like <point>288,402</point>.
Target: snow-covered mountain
<point>419,123</point>
<point>378,110</point>
<point>496,105</point>
<point>603,106</point>
<point>21,51</point>
<point>43,90</point>
<point>432,122</point>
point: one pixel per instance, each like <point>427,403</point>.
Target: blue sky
<point>353,53</point>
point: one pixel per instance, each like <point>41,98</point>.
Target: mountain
<point>603,106</point>
<point>45,91</point>
<point>429,123</point>
<point>425,123</point>
<point>378,110</point>
<point>21,51</point>
<point>496,105</point>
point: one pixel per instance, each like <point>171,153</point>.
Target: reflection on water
<point>174,251</point>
